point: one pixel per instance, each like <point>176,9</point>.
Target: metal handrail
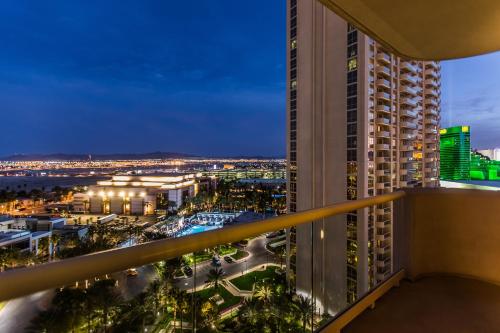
<point>24,281</point>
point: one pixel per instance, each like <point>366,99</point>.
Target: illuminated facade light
<point>122,178</point>
<point>111,193</point>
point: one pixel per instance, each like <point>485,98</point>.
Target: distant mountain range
<point>95,157</point>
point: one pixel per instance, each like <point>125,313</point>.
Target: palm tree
<point>250,312</point>
<point>209,312</point>
<point>43,244</point>
<point>153,295</point>
<point>28,258</point>
<point>280,255</point>
<point>134,314</point>
<point>173,299</point>
<point>105,297</point>
<point>264,292</point>
<point>49,321</point>
<point>55,239</point>
<point>183,304</point>
<point>70,303</point>
<point>7,257</point>
<point>215,278</point>
<point>281,310</point>
<point>304,307</point>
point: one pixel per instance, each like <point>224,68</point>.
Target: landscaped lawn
<point>246,281</point>
<point>199,257</point>
<point>240,255</point>
<point>229,299</point>
<point>224,250</point>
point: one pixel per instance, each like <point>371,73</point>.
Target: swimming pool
<point>195,229</point>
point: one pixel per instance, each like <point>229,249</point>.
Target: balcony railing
<point>433,231</point>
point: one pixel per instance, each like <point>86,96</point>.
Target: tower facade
<point>361,122</point>
<point>455,153</point>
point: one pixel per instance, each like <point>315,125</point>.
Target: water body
<point>195,229</point>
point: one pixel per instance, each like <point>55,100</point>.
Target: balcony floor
<point>434,304</point>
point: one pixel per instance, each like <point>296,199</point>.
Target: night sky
<point>193,76</point>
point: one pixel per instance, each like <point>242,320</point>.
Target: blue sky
<point>194,76</point>
<point>471,96</point>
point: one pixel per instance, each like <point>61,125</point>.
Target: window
<point>352,50</point>
<point>351,129</point>
<point>351,142</point>
<point>352,64</point>
<point>352,116</point>
<point>352,103</point>
<point>352,37</point>
<point>351,155</point>
<point>352,90</point>
<point>352,77</point>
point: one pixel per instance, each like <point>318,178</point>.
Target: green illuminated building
<point>455,153</point>
<point>483,168</point>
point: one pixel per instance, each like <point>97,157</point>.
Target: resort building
<point>232,173</point>
<point>493,154</point>
<point>25,233</point>
<point>361,122</point>
<point>139,195</point>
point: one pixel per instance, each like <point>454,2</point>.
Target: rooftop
<point>11,234</point>
<point>163,181</point>
<point>5,218</point>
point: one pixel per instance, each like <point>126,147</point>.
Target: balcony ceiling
<point>426,29</point>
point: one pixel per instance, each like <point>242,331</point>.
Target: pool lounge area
<point>195,229</point>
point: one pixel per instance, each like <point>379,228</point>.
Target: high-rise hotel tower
<point>360,122</point>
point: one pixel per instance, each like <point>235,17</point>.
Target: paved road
<point>133,285</point>
<point>17,313</point>
<point>258,256</point>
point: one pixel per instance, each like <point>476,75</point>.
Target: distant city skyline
<point>195,77</point>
